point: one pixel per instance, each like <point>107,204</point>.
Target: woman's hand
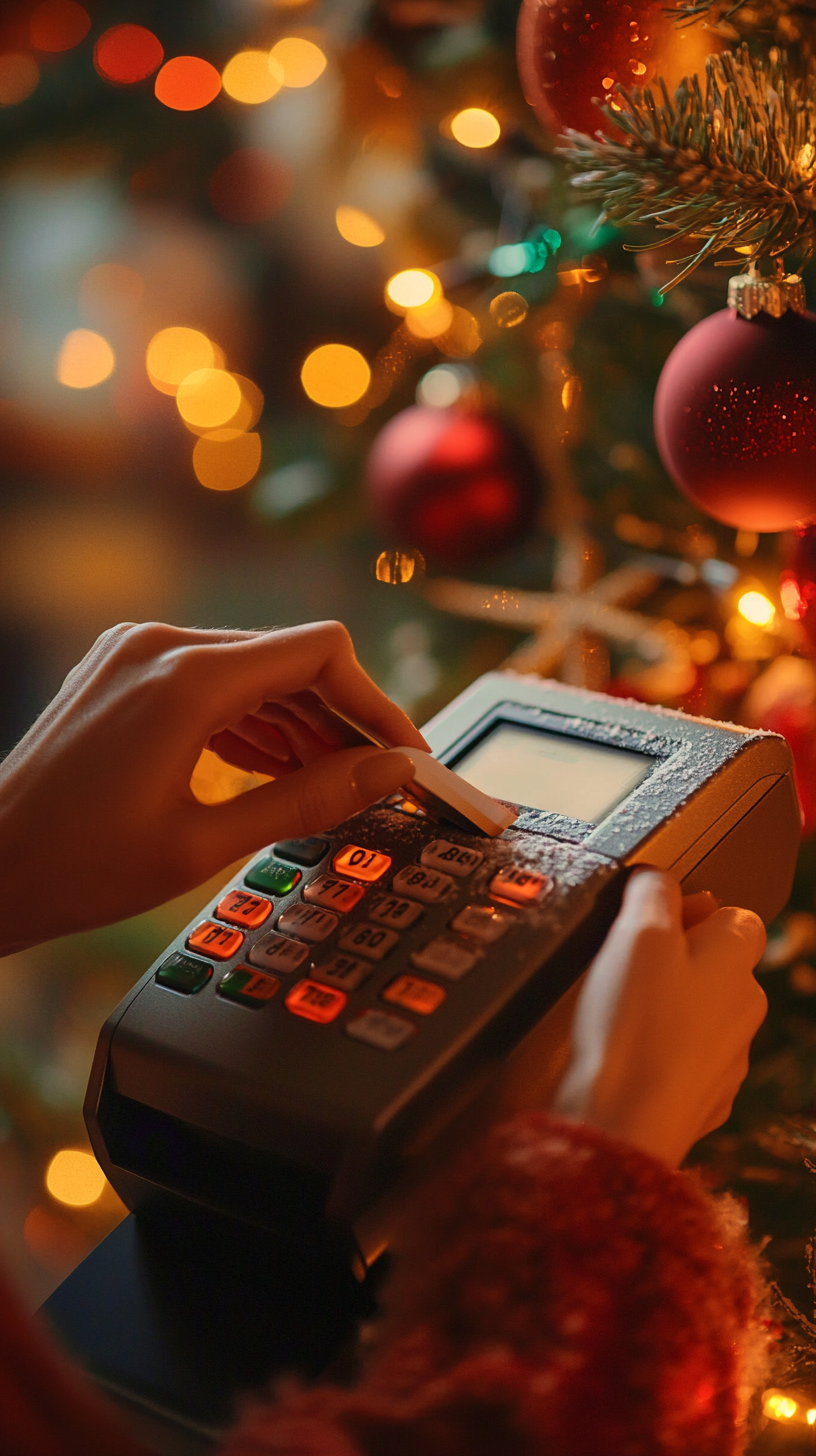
<point>665,1019</point>
<point>97,818</point>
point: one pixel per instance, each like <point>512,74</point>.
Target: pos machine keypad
<point>345,921</point>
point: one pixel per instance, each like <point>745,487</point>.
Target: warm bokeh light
<point>85,359</point>
<point>187,83</point>
<point>226,459</point>
<point>397,568</point>
<point>443,385</point>
<point>755,607</point>
<point>74,1177</point>
<point>252,77</point>
<point>475,127</point>
<point>300,60</point>
<point>58,25</point>
<point>249,186</point>
<point>111,290</point>
<point>252,402</point>
<point>411,288</point>
<point>463,337</point>
<point>335,375</point>
<point>431,320</point>
<point>19,74</point>
<point>174,353</point>
<point>208,398</point>
<point>126,54</point>
<point>508,310</point>
<point>793,603</point>
<point>358,228</point>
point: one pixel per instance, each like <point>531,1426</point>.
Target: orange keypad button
<point>314,1002</point>
<point>520,886</point>
<point>333,894</point>
<point>239,907</point>
<point>414,994</point>
<point>361,864</point>
<point>216,941</point>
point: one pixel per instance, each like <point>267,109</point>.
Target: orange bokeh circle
<point>249,186</point>
<point>58,25</point>
<point>126,54</point>
<point>187,83</point>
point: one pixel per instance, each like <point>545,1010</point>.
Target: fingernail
<point>381,773</point>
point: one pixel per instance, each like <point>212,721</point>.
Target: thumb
<point>309,801</point>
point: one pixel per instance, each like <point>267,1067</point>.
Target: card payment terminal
<point>317,1032</point>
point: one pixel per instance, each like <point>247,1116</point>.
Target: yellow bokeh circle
<point>431,320</point>
<point>335,375</point>
<point>475,127</point>
<point>358,228</point>
<point>300,60</point>
<point>252,77</point>
<point>208,398</point>
<point>174,353</point>
<point>74,1177</point>
<point>412,288</point>
<point>84,359</point>
<point>226,459</point>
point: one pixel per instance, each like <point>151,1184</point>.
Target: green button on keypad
<point>183,973</point>
<point>272,877</point>
<point>248,987</point>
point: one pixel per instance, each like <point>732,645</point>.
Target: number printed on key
<point>278,953</point>
<point>451,858</point>
<point>333,894</point>
<point>522,887</point>
<point>361,864</point>
<point>307,921</point>
<point>371,941</point>
<point>393,910</point>
<point>426,885</point>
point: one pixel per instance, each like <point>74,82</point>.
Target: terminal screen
<point>547,771</point>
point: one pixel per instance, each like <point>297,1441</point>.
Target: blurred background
<point>299,318</point>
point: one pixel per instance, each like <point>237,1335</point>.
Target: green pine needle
<point>734,168</point>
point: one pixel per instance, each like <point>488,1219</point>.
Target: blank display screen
<point>546,771</point>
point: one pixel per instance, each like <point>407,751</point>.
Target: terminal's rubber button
<point>482,922</point>
<point>271,876</point>
<point>306,852</point>
<point>182,973</point>
<point>415,994</point>
<point>392,910</point>
<point>419,884</point>
<point>452,859</point>
<point>379,1029</point>
<point>361,864</point>
<point>447,958</point>
<point>520,886</point>
<point>333,894</point>
<point>215,940</point>
<point>307,922</point>
<point>314,1002</point>
<point>248,987</point>
<point>278,953</point>
<point>241,908</point>
<point>343,971</point>
<point>365,939</point>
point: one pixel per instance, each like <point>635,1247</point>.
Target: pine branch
<point>732,168</point>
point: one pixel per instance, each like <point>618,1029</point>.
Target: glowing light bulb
<point>174,353</point>
<point>756,608</point>
<point>358,228</point>
<point>411,288</point>
<point>84,360</point>
<point>335,375</point>
<point>475,128</point>
<point>300,60</point>
<point>252,77</point>
<point>208,398</point>
<point>75,1178</point>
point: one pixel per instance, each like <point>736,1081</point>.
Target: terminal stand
<point>180,1315</point>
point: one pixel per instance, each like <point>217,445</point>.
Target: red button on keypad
<point>239,907</point>
<point>361,864</point>
<point>216,941</point>
<point>414,994</point>
<point>314,1002</point>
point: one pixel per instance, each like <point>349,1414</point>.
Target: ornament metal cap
<point>750,294</point>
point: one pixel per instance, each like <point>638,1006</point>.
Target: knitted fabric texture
<point>557,1293</point>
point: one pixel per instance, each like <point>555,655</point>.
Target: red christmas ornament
<point>797,583</point>
<point>783,700</point>
<point>570,51</point>
<point>459,486</point>
<point>735,413</point>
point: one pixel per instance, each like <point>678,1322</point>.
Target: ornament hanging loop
<point>749,293</point>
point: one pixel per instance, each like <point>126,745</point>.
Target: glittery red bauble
<point>458,486</point>
<point>570,51</point>
<point>735,418</point>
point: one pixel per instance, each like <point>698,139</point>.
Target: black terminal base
<point>179,1316</point>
